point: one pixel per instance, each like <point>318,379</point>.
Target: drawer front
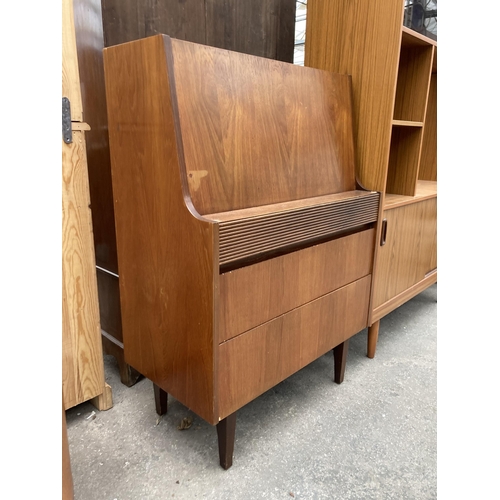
<point>255,361</point>
<point>258,293</point>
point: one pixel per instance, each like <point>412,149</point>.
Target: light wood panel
<point>89,43</point>
<point>409,252</point>
<point>428,162</point>
<point>255,294</point>
<point>284,345</point>
<point>70,71</point>
<point>160,275</point>
<point>396,301</point>
<point>83,370</point>
<point>424,190</point>
<point>402,172</point>
<point>361,39</point>
<point>301,129</point>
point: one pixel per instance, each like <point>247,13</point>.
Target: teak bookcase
<point>245,246</point>
<point>394,81</point>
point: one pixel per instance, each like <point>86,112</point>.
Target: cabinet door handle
<point>383,236</point>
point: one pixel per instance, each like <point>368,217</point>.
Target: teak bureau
<point>245,246</point>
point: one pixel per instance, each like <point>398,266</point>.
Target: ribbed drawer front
<point>249,237</point>
<point>252,295</point>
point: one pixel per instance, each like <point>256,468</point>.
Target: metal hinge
<point>66,121</point>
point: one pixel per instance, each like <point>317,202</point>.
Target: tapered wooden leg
<point>161,398</point>
<point>339,359</point>
<point>225,432</point>
<point>372,339</point>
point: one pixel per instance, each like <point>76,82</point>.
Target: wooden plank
<point>70,71</point>
<point>361,39</point>
<point>424,190</point>
<point>127,20</point>
<point>407,256</point>
<point>160,276</point>
<point>284,345</point>
<point>89,44</point>
<point>264,28</point>
<point>302,144</point>
<point>255,294</point>
<point>407,123</point>
<point>83,370</point>
<point>285,206</point>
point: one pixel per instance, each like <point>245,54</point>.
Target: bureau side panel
<point>255,294</point>
<point>255,361</point>
<point>165,254</point>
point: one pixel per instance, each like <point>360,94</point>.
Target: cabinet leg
<point>372,339</point>
<point>161,398</point>
<point>225,432</point>
<point>128,375</point>
<point>339,360</point>
<point>104,401</point>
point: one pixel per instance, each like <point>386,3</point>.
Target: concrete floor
<point>372,437</point>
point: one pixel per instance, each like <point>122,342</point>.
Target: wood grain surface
<point>83,369</point>
<point>89,42</point>
<point>264,28</point>
<point>167,276</point>
<point>402,171</point>
<point>178,148</point>
<point>255,294</point>
<point>410,249</point>
<point>424,190</point>
<point>286,344</point>
<point>70,70</point>
<point>244,147</point>
<point>361,39</point>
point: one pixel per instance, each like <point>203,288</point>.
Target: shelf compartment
<point>428,162</point>
<point>403,160</point>
<point>411,38</point>
<point>424,191</point>
<point>415,64</point>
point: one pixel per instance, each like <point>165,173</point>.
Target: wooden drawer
<point>252,295</point>
<point>257,360</point>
